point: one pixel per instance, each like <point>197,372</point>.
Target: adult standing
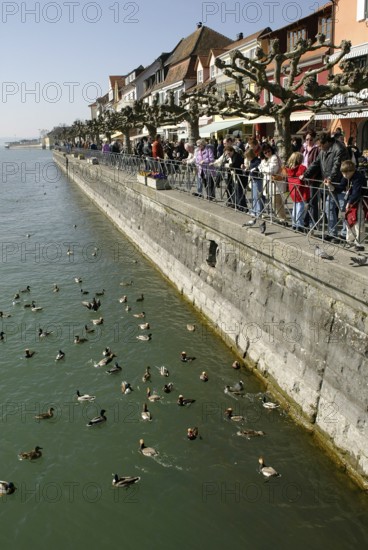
<point>157,153</point>
<point>204,158</point>
<point>271,167</point>
<point>310,151</point>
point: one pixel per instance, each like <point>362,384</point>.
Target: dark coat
<point>328,163</point>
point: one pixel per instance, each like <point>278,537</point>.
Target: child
<point>356,209</point>
<point>252,163</point>
<point>299,192</point>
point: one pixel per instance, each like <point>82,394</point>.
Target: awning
<point>117,135</point>
<point>355,51</point>
<point>330,116</point>
<point>260,120</point>
<point>301,115</point>
<point>209,129</point>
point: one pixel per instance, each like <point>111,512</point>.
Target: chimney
<point>239,36</point>
<point>199,25</point>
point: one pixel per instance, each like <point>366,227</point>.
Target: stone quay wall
<point>300,323</point>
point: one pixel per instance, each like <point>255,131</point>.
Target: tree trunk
<point>283,136</point>
<point>127,144</point>
<point>152,131</point>
<point>193,131</point>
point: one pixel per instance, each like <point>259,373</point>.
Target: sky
<point>57,56</point>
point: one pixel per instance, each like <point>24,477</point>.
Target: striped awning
<point>356,51</point>
<point>353,114</point>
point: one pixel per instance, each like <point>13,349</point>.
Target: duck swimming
<point>236,365</point>
<point>35,308</point>
<point>44,333</point>
<point>116,368</point>
<point>101,293</point>
<point>124,481</point>
<point>46,415</point>
<point>144,326</point>
<point>4,315</point>
<point>105,361</point>
<point>27,289</point>
<point>145,414</point>
<point>164,371</point>
<point>60,355</point>
<point>192,433</point>
<point>144,337</point>
<point>250,433</point>
<point>88,330</point>
<point>168,388</point>
<point>31,455</point>
<point>126,388</point>
<point>184,357</point>
<point>230,416</point>
<point>85,397</point>
<point>140,298</point>
<point>126,283</point>
<point>147,451</point>
<point>78,279</point>
<point>84,292</point>
<point>28,353</point>
<point>98,321</point>
<point>2,336</point>
<point>268,404</point>
<point>123,299</point>
<point>267,471</point>
<point>78,340</point>
<point>183,402</point>
<point>147,375</point>
<point>203,376</point>
<point>191,328</point>
<point>139,315</point>
<point>152,397</point>
<point>7,488</point>
<point>98,419</point>
<point>106,352</point>
<point>55,288</point>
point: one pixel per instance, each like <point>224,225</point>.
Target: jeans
<point>257,196</point>
<point>335,202</point>
<point>298,214</point>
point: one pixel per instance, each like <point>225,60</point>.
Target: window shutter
<point>361,10</point>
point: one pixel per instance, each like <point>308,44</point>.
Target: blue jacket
<point>353,187</point>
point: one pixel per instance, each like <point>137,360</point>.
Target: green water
<point>206,492</point>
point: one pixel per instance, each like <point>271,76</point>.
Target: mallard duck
<point>268,404</point>
<point>145,414</point>
<point>44,333</point>
<point>35,308</point>
<point>85,397</point>
<point>60,355</point>
<point>88,330</point>
<point>16,296</point>
<point>191,328</point>
<point>234,390</point>
<point>116,368</point>
<point>84,292</point>
<point>203,376</point>
<point>69,252</point>
<point>126,283</point>
<point>250,433</point>
<point>2,336</point>
<point>126,388</point>
<point>78,279</point>
<point>123,299</point>
<point>168,388</point>
<point>152,397</point>
<point>98,419</point>
<point>147,375</point>
<point>79,340</point>
<point>146,451</point>
<point>105,361</point>
<point>28,353</point>
<point>31,455</point>
<point>98,321</point>
<point>183,402</point>
<point>140,298</point>
<point>184,357</point>
<point>236,365</point>
<point>7,488</point>
<point>55,288</point>
<point>267,471</point>
<point>139,315</point>
<point>128,308</point>
<point>144,326</point>
<point>95,250</point>
<point>107,351</point>
<point>101,292</point>
<point>230,416</point>
<point>192,433</point>
<point>124,481</point>
<point>4,315</point>
<point>46,415</point>
<point>144,337</point>
<point>164,371</point>
<point>27,289</point>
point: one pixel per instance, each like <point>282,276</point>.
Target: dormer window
<point>200,75</point>
<point>325,26</point>
<point>212,71</point>
<point>294,36</point>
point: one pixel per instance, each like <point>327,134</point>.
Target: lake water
<point>206,492</point>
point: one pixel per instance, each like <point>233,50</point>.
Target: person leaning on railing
<point>299,193</point>
<point>252,161</point>
<point>310,151</point>
<point>274,183</point>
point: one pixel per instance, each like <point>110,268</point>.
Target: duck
<point>7,488</point>
<point>164,371</point>
<point>140,315</point>
<point>192,433</point>
<point>140,298</point>
<point>124,481</point>
<point>16,296</point>
<point>268,404</point>
<point>101,292</point>
<point>44,333</point>
<point>203,376</point>
<point>234,390</point>
<point>267,471</point>
<point>116,368</point>
<point>145,414</point>
<point>183,402</point>
<point>168,388</point>
<point>28,353</point>
<point>35,308</point>
<point>147,375</point>
<point>105,361</point>
<point>191,328</point>
<point>147,451</point>
<point>55,288</point>
<point>78,279</point>
<point>152,396</point>
<point>250,433</point>
<point>85,397</point>
<point>31,455</point>
<point>107,351</point>
<point>79,340</point>
<point>126,283</point>
<point>69,252</point>
<point>144,337</point>
<point>123,299</point>
<point>84,292</point>
<point>126,388</point>
<point>128,308</point>
<point>236,365</point>
<point>98,419</point>
<point>184,357</point>
<point>144,326</point>
<point>2,336</point>
<point>4,315</point>
<point>27,289</point>
<point>95,250</point>
<point>46,415</point>
<point>60,355</point>
<point>230,416</point>
<point>88,330</point>
<point>98,321</point>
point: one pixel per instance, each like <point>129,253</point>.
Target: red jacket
<point>157,150</point>
<point>299,192</point>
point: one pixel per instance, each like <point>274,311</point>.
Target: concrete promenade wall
<point>299,322</point>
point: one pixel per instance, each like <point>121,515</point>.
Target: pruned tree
<point>150,116</point>
<point>266,73</point>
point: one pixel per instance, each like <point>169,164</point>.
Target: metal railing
<point>321,215</point>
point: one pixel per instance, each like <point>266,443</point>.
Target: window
<point>360,62</point>
<point>251,54</point>
<point>294,36</point>
<point>212,71</point>
<point>325,26</point>
<point>200,75</point>
<point>362,10</point>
